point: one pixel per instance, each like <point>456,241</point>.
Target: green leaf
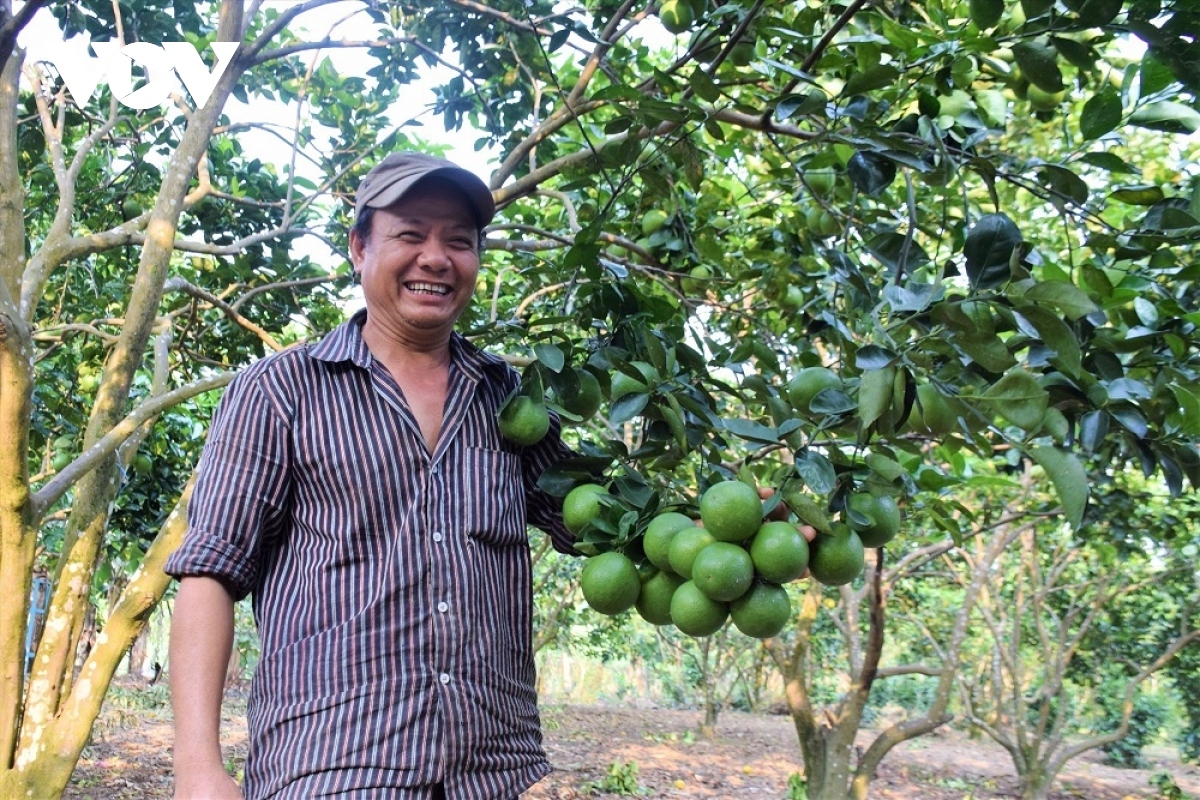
<point>1035,8</point>
<point>986,350</point>
<point>994,105</point>
<point>751,431</point>
<point>628,407</point>
<point>1057,335</point>
<point>816,471</point>
<point>1189,409</point>
<point>874,357</point>
<point>1139,195</point>
<point>794,104</point>
<point>1099,13</point>
<point>1065,182</point>
<point>886,467</point>
<point>870,79</point>
<point>807,509</point>
<point>899,35</point>
<point>1039,63</point>
<point>703,86</point>
<point>1019,398</point>
<point>1110,162</point>
<point>1093,429</point>
<point>986,13</point>
<point>988,248</point>
<point>875,394</point>
<point>1066,297</point>
<point>1101,114</point>
<point>1069,479</point>
<point>550,355</point>
<point>1081,55</point>
<point>1154,74</point>
<point>871,172</point>
<point>1167,116</point>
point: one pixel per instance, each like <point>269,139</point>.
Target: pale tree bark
<point>18,533</point>
<point>44,766</point>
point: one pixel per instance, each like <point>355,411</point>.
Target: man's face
<point>420,263</point>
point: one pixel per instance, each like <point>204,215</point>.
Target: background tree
<point>1051,599</point>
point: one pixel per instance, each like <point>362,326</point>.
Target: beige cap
<point>391,179</point>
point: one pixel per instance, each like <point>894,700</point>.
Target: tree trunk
<point>43,768</point>
<point>233,670</point>
<point>17,532</point>
<point>139,654</point>
<point>1036,784</point>
<point>827,763</point>
<point>52,682</point>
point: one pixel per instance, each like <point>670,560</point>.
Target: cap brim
<point>475,190</point>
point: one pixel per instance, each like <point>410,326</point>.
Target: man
<point>360,490</point>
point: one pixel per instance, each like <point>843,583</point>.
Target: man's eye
<point>409,236</point>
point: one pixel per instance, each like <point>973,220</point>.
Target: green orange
<point>610,583</point>
<point>731,511</point>
<point>808,383</point>
<point>659,534</point>
<point>723,571</point>
<point>684,548</point>
<point>877,519</point>
<point>582,505</point>
<point>524,421</point>
<point>654,601</point>
<point>836,559</point>
<point>762,612</point>
<point>695,613</point>
<point>779,552</point>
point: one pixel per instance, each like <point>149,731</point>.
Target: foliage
<point>621,779</point>
<point>797,788</point>
<point>1150,713</point>
<point>1167,788</point>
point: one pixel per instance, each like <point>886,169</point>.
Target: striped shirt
<point>391,587</point>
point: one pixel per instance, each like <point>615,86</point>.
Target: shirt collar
<point>345,343</point>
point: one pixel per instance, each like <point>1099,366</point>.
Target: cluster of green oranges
<point>694,577</point>
<point>733,567</point>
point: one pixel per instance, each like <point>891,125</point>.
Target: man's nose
<point>435,254</point>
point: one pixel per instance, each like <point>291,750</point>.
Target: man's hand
<point>208,784</point>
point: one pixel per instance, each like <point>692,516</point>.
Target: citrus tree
<point>1062,616</point>
<point>697,201</point>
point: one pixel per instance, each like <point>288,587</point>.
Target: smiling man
<point>360,490</point>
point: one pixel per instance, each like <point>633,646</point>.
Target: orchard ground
<point>752,755</point>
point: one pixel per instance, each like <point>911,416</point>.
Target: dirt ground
<point>752,755</point>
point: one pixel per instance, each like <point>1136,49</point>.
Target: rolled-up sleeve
<point>241,492</point>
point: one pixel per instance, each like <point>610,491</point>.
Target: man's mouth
<point>428,288</point>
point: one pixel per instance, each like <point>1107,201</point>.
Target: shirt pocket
<point>494,501</point>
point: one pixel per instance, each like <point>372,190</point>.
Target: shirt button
<point>436,469</point>
<point>445,678</point>
<point>437,536</point>
<point>443,607</point>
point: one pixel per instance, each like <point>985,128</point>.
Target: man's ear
<point>357,248</point>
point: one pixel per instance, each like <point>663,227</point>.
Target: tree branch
<point>49,494</point>
<point>180,285</point>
